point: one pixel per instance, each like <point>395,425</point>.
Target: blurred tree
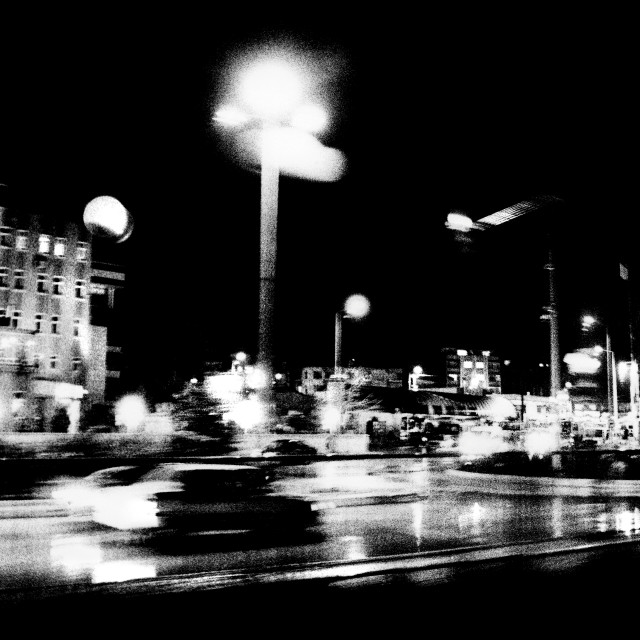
<point>195,411</point>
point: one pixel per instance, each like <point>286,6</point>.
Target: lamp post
<point>356,306</point>
<point>272,94</point>
<point>612,387</point>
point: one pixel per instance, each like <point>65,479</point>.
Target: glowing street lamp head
<point>106,217</point>
<point>310,117</point>
<point>271,88</point>
<point>357,306</point>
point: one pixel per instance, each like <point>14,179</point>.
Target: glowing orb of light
<point>106,217</point>
<point>310,117</point>
<point>581,363</point>
<point>131,411</point>
<point>271,88</point>
<point>357,306</point>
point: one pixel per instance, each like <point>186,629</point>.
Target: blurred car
<point>81,494</point>
<point>288,447</point>
<point>192,497</point>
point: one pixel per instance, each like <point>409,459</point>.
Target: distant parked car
<point>190,497</point>
<point>289,447</point>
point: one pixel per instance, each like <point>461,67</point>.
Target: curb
<point>502,483</point>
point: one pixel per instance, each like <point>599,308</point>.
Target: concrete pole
<point>269,179</point>
<point>554,386</point>
<point>337,367</point>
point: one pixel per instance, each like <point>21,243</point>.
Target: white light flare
<point>300,155</point>
<point>247,414</point>
<point>231,116</point>
<point>131,411</point>
<point>271,88</point>
<point>357,306</point>
<point>540,442</point>
<point>581,363</point>
<point>459,222</point>
<point>310,117</point>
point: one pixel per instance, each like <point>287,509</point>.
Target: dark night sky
<point>459,112</point>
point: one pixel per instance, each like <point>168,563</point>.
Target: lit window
<point>80,289</point>
<point>479,365</point>
<point>18,279</point>
<point>38,322</point>
<point>58,248</point>
<point>4,278</point>
<point>22,239</point>
<point>44,244</point>
<point>41,284</point>
<point>76,327</point>
<point>76,364</point>
<point>82,250</point>
<point>467,364</point>
<point>55,321</point>
<point>53,362</point>
<point>58,286</point>
<point>6,237</point>
<point>15,319</point>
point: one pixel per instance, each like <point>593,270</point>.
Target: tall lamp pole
<point>272,92</point>
<point>356,306</point>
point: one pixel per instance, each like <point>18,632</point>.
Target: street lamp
<point>612,388</point>
<point>357,307</point>
<point>272,97</point>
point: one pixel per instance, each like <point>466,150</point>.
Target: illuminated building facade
<point>315,379</point>
<point>52,359</point>
<point>465,371</point>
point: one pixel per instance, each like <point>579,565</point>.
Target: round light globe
<point>357,306</point>
<point>106,217</point>
<point>271,88</point>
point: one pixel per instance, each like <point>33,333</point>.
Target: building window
<point>58,248</point>
<point>76,327</point>
<point>76,364</point>
<point>22,239</point>
<point>44,244</point>
<point>53,362</point>
<point>58,286</point>
<point>38,322</point>
<point>81,289</point>
<point>317,375</point>
<point>37,360</point>
<point>6,237</point>
<point>18,279</point>
<point>81,252</point>
<point>479,365</point>
<point>55,322</point>
<point>41,283</point>
<point>467,364</point>
<point>4,278</point>
<point>15,319</point>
